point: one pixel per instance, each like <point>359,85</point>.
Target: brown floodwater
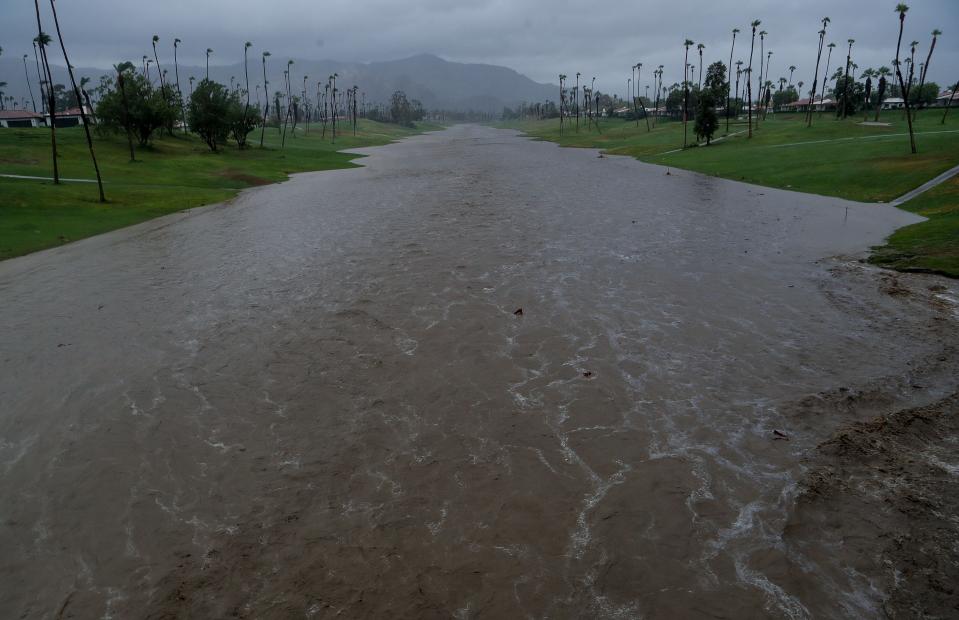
<point>319,400</point>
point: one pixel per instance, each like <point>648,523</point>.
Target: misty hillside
<point>437,83</point>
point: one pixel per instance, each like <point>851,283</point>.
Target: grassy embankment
<point>833,158</point>
<point>171,175</point>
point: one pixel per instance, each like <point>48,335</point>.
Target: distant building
<point>20,118</point>
<point>70,117</point>
<point>943,98</point>
<point>893,103</point>
<point>803,105</point>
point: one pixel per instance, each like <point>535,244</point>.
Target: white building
<point>20,118</point>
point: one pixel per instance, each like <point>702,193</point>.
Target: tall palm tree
<point>730,82</point>
<point>176,72</point>
<point>822,95</point>
<point>246,71</point>
<point>686,45</point>
<point>952,96</point>
<point>925,68</point>
<point>121,69</point>
<point>156,39</point>
<point>80,102</point>
<point>815,81</point>
<point>43,40</point>
<point>845,80</point>
<point>739,72</point>
<point>700,48</point>
<point>792,69</point>
<point>759,82</point>
<point>576,101</point>
<point>639,76</point>
<point>36,58</point>
<point>208,52</point>
<point>3,99</point>
<point>266,94</point>
<point>882,73</point>
<point>749,74</point>
<point>562,99</point>
<point>29,87</point>
<point>767,83</point>
<point>901,8</point>
<point>632,93</point>
<point>191,80</point>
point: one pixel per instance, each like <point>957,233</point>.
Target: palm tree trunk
<point>825,80</point>
<point>43,100</point>
<point>815,80</point>
<point>905,87</point>
<point>922,75</point>
<point>729,82</point>
<point>26,74</point>
<point>949,103</point>
<point>749,83</point>
<point>51,103</point>
<point>76,91</point>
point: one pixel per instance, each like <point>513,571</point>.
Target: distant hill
<point>436,82</point>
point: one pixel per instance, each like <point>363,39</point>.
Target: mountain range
<point>437,83</point>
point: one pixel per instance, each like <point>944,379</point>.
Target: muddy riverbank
<point>320,400</point>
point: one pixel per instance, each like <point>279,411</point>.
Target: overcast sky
<point>539,38</point>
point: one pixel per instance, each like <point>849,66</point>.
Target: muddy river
<point>322,400</point>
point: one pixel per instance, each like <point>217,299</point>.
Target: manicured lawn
<point>927,246</point>
<point>833,158</point>
<point>171,175</point>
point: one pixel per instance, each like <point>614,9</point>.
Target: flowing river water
<point>319,400</point>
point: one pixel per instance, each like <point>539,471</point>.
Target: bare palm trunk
<point>905,87</point>
<point>729,83</point>
<point>949,103</point>
<point>749,83</point>
<point>76,92</point>
<point>51,103</point>
<point>825,79</point>
<point>922,74</point>
<point>815,81</point>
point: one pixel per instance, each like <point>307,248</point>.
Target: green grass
<point>171,175</point>
<point>832,158</point>
<point>930,246</point>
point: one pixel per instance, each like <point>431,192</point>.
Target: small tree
<point>242,119</point>
<point>209,114</point>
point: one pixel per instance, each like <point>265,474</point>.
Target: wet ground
<point>321,400</point>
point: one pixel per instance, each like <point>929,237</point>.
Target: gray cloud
<point>539,38</point>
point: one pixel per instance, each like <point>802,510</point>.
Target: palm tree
<point>792,69</point>
<point>156,39</point>
<point>767,83</point>
<point>246,71</point>
<point>749,74</point>
<point>686,45</point>
<point>576,101</point>
<point>191,80</point>
<point>815,81</point>
<point>882,73</point>
<point>901,9</point>
<point>822,95</point>
<point>729,83</point>
<point>952,96</point>
<point>80,102</point>
<point>739,72</point>
<point>266,94</point>
<point>562,99</point>
<point>762,41</point>
<point>700,47</point>
<point>36,58</point>
<point>121,86</point>
<point>208,52</point>
<point>639,76</point>
<point>925,68</point>
<point>176,71</point>
<point>2,98</point>
<point>43,40</point>
<point>845,80</point>
<point>29,87</point>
